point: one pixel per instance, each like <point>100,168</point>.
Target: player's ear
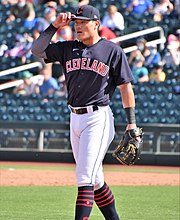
<point>97,24</point>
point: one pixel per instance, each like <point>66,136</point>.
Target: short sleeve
<point>121,70</point>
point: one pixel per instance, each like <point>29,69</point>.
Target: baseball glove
<point>129,148</point>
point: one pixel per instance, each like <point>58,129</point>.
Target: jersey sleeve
<point>121,70</point>
<point>55,52</point>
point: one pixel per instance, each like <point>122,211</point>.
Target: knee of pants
<point>85,180</point>
<point>96,185</point>
<point>99,185</point>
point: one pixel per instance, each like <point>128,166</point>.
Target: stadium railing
<point>15,70</point>
<point>153,152</point>
<point>161,40</point>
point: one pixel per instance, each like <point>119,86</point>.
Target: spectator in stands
<point>177,8</point>
<point>139,71</point>
<point>56,3</point>
<point>7,2</point>
<point>48,3</point>
<point>65,33</point>
<point>114,20</point>
<point>49,84</point>
<point>83,2</point>
<point>22,9</point>
<point>162,9</point>
<point>77,3</point>
<point>62,86</point>
<point>28,87</point>
<point>172,55</point>
<point>73,3</point>
<point>43,22</point>
<point>157,73</point>
<point>139,7</point>
<point>22,48</point>
<point>106,33</point>
<point>3,49</point>
<point>149,55</point>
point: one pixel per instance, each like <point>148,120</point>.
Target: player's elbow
<point>125,86</point>
<point>36,50</point>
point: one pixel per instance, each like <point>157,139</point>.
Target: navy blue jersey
<point>91,72</point>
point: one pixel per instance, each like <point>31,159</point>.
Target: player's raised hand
<point>63,19</point>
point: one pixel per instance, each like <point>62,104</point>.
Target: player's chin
<point>81,36</point>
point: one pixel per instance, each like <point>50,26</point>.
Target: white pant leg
<point>74,137</point>
<point>91,135</point>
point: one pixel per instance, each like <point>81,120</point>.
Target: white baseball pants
<point>91,135</point>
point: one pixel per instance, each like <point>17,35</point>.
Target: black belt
<point>84,110</point>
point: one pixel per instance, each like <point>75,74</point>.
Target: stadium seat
<point>13,139</point>
<point>31,138</point>
<point>58,118</point>
<point>31,143</point>
<point>57,143</point>
<point>148,142</point>
<point>56,139</point>
<point>168,143</point>
<point>15,142</point>
<point>4,134</point>
<point>176,139</point>
<point>6,117</point>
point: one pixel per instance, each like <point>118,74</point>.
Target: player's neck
<point>91,41</point>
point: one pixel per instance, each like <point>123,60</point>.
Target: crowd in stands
<point>114,20</point>
<point>31,17</point>
<point>45,85</point>
<point>154,68</point>
<point>28,87</point>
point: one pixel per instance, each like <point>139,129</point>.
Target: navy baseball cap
<point>87,12</point>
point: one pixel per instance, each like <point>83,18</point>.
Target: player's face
<point>85,30</point>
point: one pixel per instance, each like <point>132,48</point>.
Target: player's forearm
<point>41,43</point>
<point>127,95</point>
<point>128,102</point>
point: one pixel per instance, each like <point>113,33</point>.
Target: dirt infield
<point>114,175</point>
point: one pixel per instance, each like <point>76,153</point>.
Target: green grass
<point>32,167</point>
<point>57,203</point>
<point>106,168</point>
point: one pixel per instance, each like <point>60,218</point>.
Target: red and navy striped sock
<point>84,202</point>
<point>105,202</point>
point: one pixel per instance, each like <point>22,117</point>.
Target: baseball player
<point>93,68</point>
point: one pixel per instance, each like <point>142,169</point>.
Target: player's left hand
<point>129,148</point>
<point>131,126</point>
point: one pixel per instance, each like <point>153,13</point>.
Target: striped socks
<point>105,202</point>
<point>84,202</point>
<point>103,198</point>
